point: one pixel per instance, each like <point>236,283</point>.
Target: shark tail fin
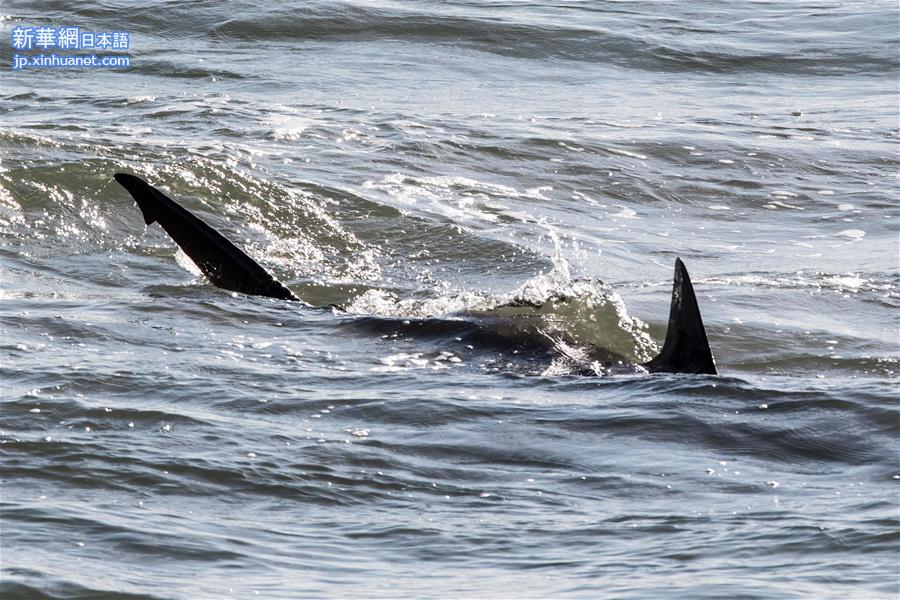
<point>223,263</point>
<point>686,349</point>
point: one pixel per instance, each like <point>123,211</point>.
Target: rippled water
<point>163,438</point>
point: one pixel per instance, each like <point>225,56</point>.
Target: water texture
<point>161,438</point>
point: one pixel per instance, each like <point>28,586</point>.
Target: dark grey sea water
<point>162,438</point>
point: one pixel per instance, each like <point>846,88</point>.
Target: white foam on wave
<point>779,204</point>
<point>288,127</point>
<point>384,303</point>
<point>838,282</point>
<point>627,153</point>
<point>139,99</point>
<point>463,200</point>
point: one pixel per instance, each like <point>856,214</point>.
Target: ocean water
<point>162,438</point>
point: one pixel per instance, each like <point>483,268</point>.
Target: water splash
<point>586,313</point>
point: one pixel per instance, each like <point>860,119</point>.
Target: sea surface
<point>163,438</point>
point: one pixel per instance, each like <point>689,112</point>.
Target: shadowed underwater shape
<point>685,350</point>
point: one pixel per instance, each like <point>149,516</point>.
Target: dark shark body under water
<point>685,350</point>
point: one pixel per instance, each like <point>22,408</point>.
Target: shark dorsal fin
<point>686,349</point>
<point>226,265</point>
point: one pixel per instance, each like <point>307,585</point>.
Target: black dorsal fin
<point>686,349</point>
<point>223,263</point>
